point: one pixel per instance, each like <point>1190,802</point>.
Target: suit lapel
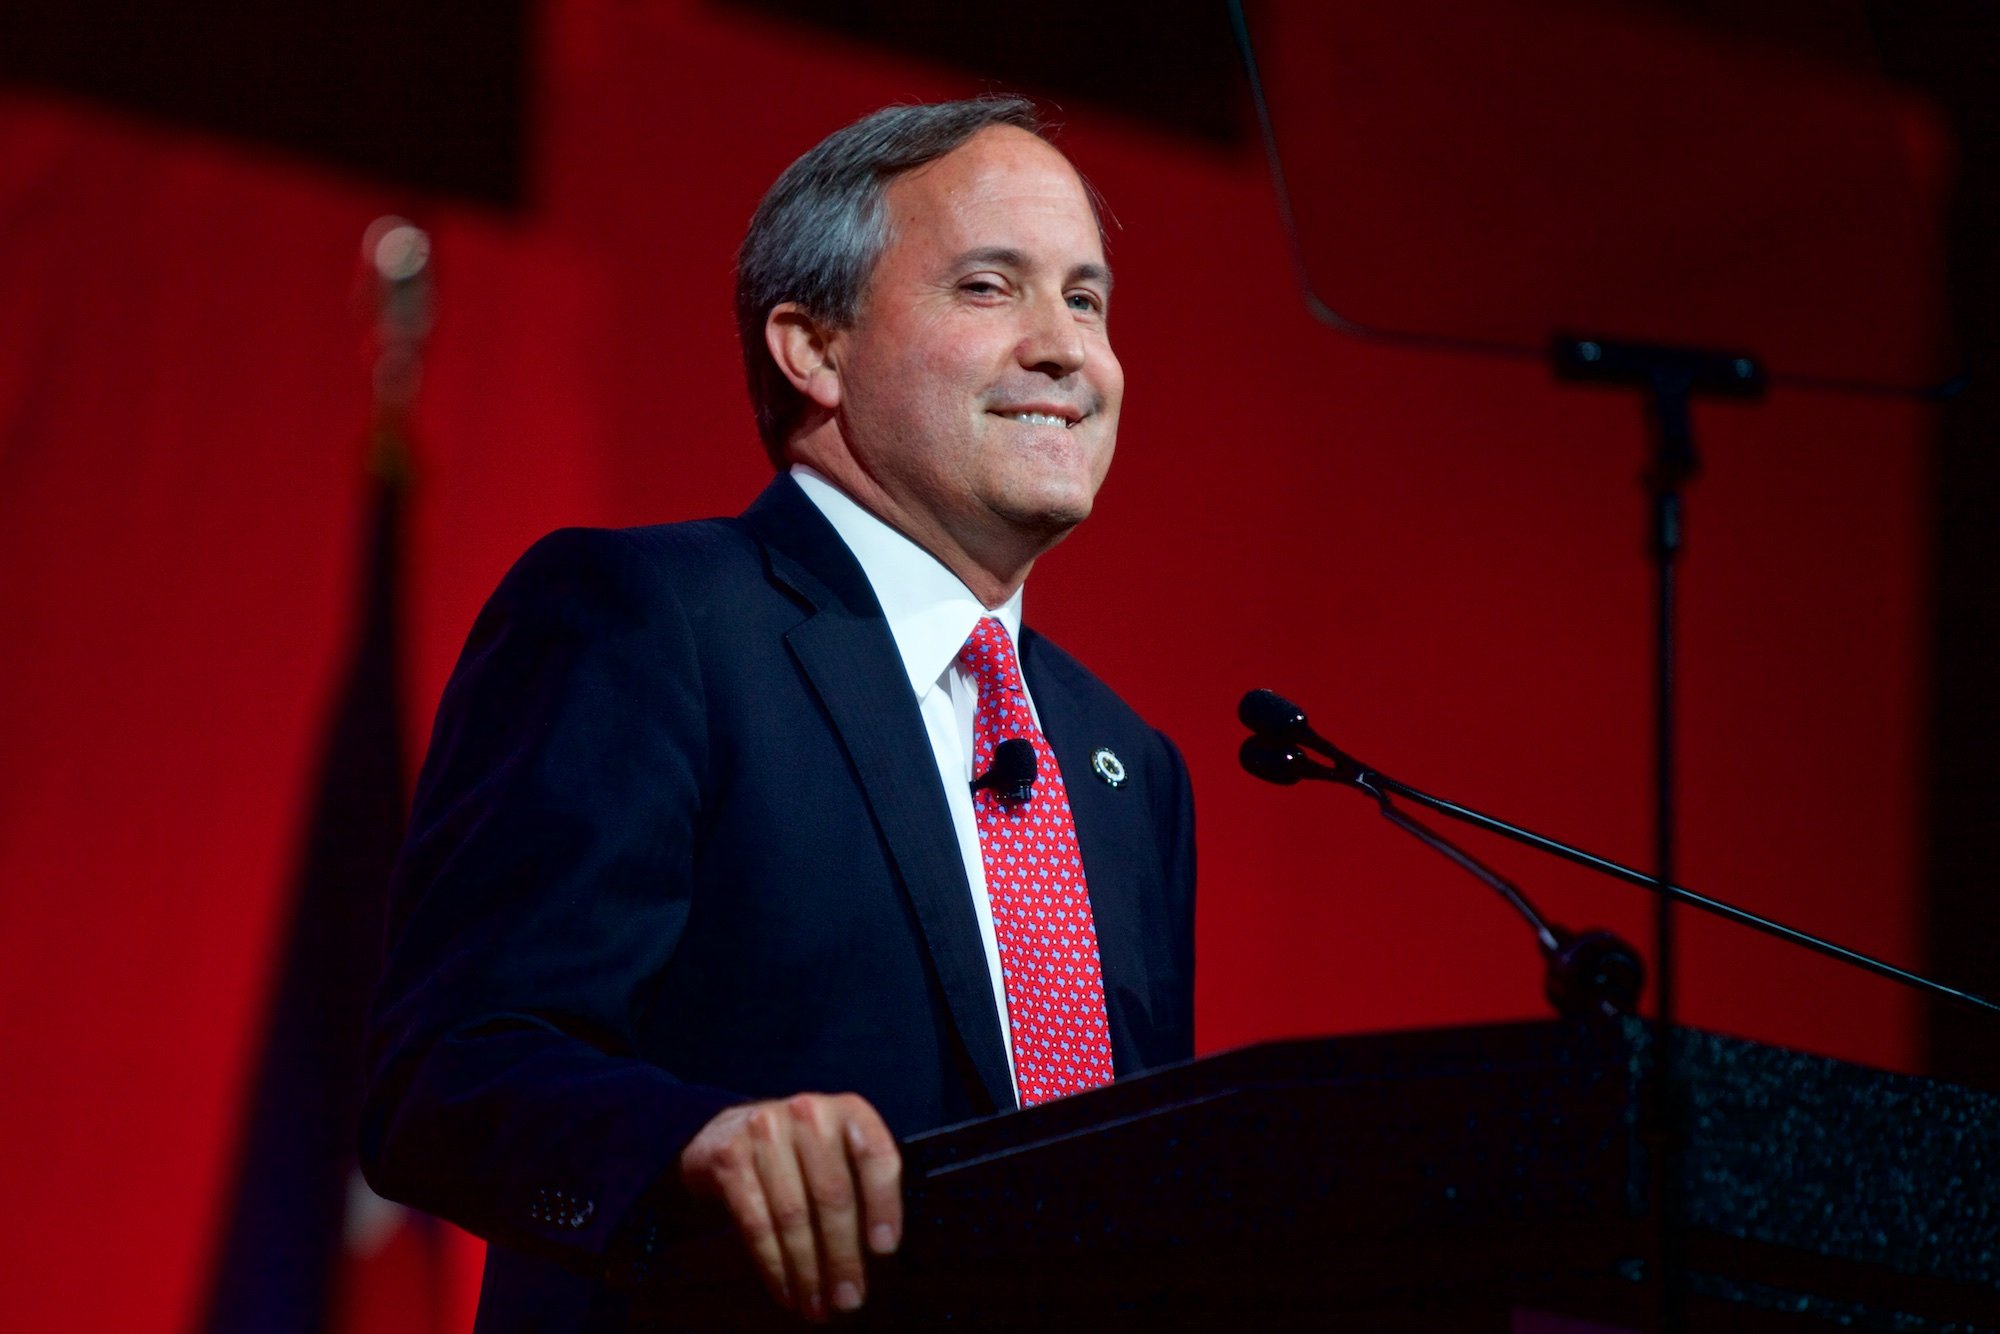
<point>1104,821</point>
<point>848,655</point>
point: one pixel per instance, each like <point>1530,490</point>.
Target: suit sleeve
<point>544,882</point>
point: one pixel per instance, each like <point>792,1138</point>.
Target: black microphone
<point>1276,760</point>
<point>1268,712</point>
<point>1012,773</point>
<point>1270,715</point>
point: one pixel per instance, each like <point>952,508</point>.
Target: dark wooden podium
<point>1488,1179</point>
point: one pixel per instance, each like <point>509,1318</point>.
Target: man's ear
<point>804,351</point>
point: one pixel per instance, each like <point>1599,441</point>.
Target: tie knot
<point>989,655</point>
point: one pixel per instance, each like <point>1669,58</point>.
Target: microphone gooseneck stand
<point>1261,707</point>
<point>1271,716</point>
<point>1592,974</point>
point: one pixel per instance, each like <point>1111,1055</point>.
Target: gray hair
<point>817,234</point>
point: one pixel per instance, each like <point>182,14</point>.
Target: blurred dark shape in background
<point>1173,65</point>
<point>1951,50</point>
<point>419,92</point>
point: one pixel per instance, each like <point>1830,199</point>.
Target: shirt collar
<point>930,611</point>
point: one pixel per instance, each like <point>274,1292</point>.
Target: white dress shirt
<point>931,614</point>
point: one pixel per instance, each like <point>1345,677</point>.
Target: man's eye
<point>1088,302</point>
<point>980,286</point>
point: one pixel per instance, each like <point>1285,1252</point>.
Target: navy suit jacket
<point>679,842</point>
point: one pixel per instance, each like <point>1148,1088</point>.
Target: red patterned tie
<point>1034,879</point>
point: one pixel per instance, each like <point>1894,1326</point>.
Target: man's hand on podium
<point>806,1178</point>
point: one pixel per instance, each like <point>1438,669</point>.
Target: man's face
<point>978,387</point>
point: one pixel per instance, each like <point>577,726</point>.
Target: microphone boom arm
<point>1589,974</point>
<point>1546,932</point>
<point>1370,780</point>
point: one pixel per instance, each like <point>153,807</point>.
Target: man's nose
<point>1053,341</point>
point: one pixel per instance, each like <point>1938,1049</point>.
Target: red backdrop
<point>1441,556</point>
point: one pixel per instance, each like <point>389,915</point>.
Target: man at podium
<point>744,846</point>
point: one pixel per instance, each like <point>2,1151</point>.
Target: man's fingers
<point>744,1194</point>
<point>814,1183</point>
<point>878,1168</point>
<point>773,1140</point>
<point>830,1181</point>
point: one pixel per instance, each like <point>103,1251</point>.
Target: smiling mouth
<point>1039,419</point>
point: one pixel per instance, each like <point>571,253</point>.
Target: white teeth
<point>1040,419</point>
